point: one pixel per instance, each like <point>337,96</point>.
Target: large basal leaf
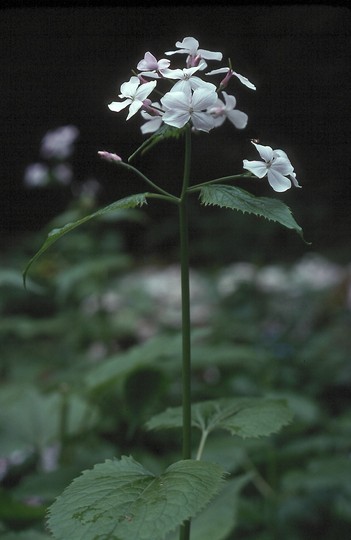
<point>128,202</point>
<point>252,417</point>
<point>239,199</point>
<point>120,500</point>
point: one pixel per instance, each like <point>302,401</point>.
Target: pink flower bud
<point>109,157</point>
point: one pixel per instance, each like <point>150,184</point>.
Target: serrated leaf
<point>120,500</point>
<point>128,202</point>
<point>252,417</point>
<point>219,519</point>
<point>236,198</point>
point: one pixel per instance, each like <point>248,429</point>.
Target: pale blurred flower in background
<point>58,143</point>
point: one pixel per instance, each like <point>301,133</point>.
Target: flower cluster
<point>57,146</point>
<point>190,99</point>
<point>196,101</point>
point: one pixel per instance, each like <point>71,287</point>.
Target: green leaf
<point>17,512</point>
<point>25,535</point>
<point>246,417</point>
<point>120,500</point>
<point>239,199</point>
<point>156,349</point>
<point>220,517</point>
<point>128,202</point>
<point>164,132</point>
<point>29,418</point>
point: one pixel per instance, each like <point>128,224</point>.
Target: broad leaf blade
<point>220,517</point>
<point>238,199</point>
<point>128,202</point>
<point>252,417</point>
<point>121,500</point>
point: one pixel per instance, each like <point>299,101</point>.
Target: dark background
<point>64,65</point>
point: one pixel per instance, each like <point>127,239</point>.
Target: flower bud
<point>109,157</point>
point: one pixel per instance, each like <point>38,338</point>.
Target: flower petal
<point>244,81</point>
<point>177,100</point>
<point>149,62</point>
<point>129,88</point>
<point>220,70</point>
<point>134,107</point>
<point>294,179</point>
<point>203,98</point>
<point>265,152</point>
<point>258,168</point>
<point>282,165</point>
<point>152,124</point>
<point>202,121</point>
<point>190,44</point>
<point>117,106</point>
<point>144,90</point>
<point>230,101</point>
<point>176,119</point>
<point>277,181</point>
<point>238,118</point>
<point>209,55</point>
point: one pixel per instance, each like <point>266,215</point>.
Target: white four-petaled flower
<point>276,165</point>
<point>134,94</point>
<point>183,106</point>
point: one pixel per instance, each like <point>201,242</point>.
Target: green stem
<point>147,180</point>
<point>186,324</point>
<point>197,187</point>
<point>203,440</point>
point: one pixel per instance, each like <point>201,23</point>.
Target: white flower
<point>58,143</point>
<point>36,174</point>
<point>134,94</point>
<point>190,46</point>
<point>230,73</point>
<point>62,173</point>
<point>221,111</point>
<point>183,106</point>
<point>276,165</point>
<point>186,79</point>
<point>149,65</point>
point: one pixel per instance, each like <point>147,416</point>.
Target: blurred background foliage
<point>91,349</point>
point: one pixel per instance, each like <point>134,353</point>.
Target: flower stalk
<point>186,321</point>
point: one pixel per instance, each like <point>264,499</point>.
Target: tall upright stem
<point>186,323</point>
